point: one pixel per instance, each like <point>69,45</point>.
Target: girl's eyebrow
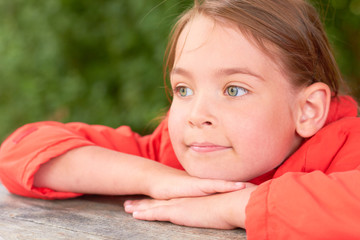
<point>237,70</point>
<point>219,72</point>
<point>181,71</point>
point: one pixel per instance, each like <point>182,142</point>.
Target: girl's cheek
<point>176,114</point>
<point>174,123</point>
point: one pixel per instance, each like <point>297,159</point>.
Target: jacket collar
<point>341,107</point>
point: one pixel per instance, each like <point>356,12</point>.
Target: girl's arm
<point>306,206</point>
<point>97,170</point>
<point>52,160</point>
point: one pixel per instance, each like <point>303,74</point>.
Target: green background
<point>100,61</point>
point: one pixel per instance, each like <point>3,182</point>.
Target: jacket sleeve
<point>319,201</point>
<point>22,153</point>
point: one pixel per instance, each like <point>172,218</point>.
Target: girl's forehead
<point>218,41</point>
<point>202,29</point>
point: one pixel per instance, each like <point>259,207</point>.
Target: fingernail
<point>128,208</point>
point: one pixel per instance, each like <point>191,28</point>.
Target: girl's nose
<point>199,123</point>
<point>202,114</point>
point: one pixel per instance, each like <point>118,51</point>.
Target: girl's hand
<point>222,211</point>
<point>168,183</point>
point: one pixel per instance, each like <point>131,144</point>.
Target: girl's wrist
<point>235,213</point>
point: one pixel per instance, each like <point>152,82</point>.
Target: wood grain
<point>88,217</point>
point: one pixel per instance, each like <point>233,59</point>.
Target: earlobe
<point>313,109</point>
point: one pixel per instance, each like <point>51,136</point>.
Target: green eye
<point>184,91</point>
<point>234,91</point>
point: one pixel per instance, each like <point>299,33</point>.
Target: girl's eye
<point>183,91</point>
<point>234,91</point>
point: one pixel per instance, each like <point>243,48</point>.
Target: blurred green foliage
<point>100,61</point>
<point>342,22</point>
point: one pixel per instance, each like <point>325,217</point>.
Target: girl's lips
<point>207,147</point>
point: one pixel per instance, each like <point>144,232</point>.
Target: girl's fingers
<point>153,214</point>
<point>192,212</point>
<point>132,206</point>
<point>220,186</point>
<point>159,210</point>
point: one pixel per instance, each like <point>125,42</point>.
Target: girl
<point>256,122</point>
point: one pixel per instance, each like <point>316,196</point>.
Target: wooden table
<point>88,217</point>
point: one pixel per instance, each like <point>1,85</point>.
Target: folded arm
<point>52,160</point>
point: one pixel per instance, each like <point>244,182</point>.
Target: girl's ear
<point>313,109</point>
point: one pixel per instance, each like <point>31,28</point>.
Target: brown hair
<point>292,26</point>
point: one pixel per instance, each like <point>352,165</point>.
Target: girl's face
<point>233,111</point>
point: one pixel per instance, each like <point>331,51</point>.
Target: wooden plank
<point>17,229</point>
<point>88,217</point>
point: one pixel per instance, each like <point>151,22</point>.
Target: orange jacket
<point>315,194</point>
